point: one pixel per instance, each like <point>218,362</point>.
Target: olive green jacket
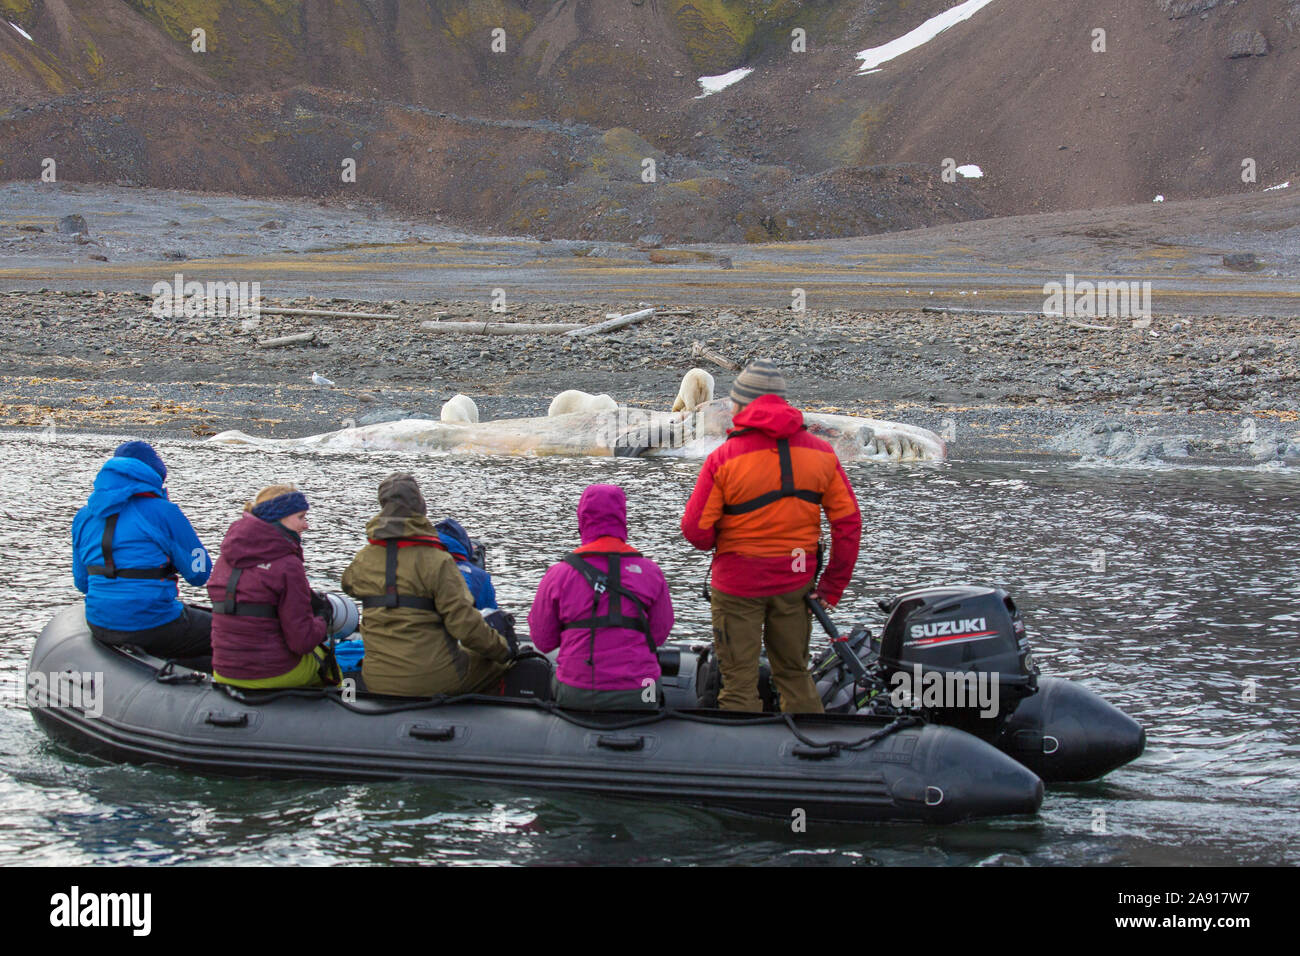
<point>412,652</point>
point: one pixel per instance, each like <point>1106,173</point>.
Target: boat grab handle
<point>815,753</point>
<point>219,718</point>
<point>620,742</point>
<point>446,732</point>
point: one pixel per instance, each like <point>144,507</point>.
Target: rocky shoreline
<point>1205,388</point>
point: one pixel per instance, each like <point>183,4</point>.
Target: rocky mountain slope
<point>540,116</point>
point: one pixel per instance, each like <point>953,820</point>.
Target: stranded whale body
<point>622,432</point>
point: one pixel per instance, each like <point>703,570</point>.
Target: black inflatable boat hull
<point>1064,732</point>
<point>925,773</point>
<point>1067,734</point>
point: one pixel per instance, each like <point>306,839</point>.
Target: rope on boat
<point>168,674</point>
<point>334,694</point>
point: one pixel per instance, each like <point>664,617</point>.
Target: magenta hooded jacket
<point>623,659</point>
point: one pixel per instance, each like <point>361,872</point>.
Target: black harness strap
<point>231,606</point>
<point>390,597</point>
<point>109,568</point>
<point>787,489</point>
<point>609,581</point>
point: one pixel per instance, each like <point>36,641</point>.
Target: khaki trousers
<point>741,627</point>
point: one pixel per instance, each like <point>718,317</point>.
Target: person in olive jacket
<point>422,633</point>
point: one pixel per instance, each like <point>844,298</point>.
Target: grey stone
<point>72,225</point>
<point>1183,8</point>
<point>1247,43</point>
<point>1242,262</point>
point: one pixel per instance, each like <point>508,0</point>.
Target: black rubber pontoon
<point>836,768</point>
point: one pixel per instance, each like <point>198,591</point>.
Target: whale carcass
<point>624,432</point>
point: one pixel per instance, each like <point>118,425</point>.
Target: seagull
<point>319,379</point>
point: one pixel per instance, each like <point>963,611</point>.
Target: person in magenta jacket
<point>607,639</point>
<point>269,634</point>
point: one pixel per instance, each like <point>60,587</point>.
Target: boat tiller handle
<point>219,719</point>
<point>840,645</point>
<point>620,742</point>
<point>446,732</point>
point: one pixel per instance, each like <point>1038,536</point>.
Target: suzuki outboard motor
<point>960,654</point>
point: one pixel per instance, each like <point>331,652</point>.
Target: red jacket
<point>252,648</point>
<point>772,548</point>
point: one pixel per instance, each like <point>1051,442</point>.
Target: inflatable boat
<point>124,705</point>
<point>940,715</point>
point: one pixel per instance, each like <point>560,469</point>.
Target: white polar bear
<point>696,389</point>
<point>573,400</point>
<point>461,410</point>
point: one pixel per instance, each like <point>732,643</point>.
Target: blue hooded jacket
<point>150,532</point>
<point>456,540</point>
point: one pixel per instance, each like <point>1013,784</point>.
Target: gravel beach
<point>1205,387</point>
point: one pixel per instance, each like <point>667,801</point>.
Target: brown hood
<point>402,511</point>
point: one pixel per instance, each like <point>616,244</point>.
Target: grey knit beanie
<point>760,377</point>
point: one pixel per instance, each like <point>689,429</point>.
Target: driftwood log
<point>283,341</point>
<point>326,313</point>
<point>612,324</point>
<point>700,350</point>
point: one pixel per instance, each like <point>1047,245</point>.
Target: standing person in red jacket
<point>267,624</point>
<point>758,504</point>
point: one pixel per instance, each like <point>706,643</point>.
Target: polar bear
<point>460,410</point>
<point>696,389</point>
<point>576,401</point>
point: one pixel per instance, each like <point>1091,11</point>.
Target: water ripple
<point>1175,593</point>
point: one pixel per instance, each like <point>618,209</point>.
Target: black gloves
<point>321,607</point>
<point>504,624</point>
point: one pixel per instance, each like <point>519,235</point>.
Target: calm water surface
<point>1196,610</point>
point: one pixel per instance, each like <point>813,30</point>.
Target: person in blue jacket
<point>128,545</point>
<point>457,542</point>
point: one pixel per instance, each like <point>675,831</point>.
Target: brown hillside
<point>549,135</point>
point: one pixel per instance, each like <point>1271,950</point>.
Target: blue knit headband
<point>281,506</point>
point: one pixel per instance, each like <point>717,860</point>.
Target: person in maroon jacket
<point>267,624</point>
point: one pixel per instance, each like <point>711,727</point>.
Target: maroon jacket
<point>252,648</point>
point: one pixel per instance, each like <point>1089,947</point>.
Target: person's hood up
<point>770,414</point>
<point>251,540</point>
<point>383,527</point>
<point>120,479</point>
<point>401,509</point>
<point>455,537</point>
<point>602,510</point>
